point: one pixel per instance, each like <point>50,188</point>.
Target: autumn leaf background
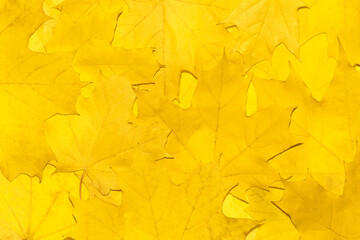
<point>179,119</point>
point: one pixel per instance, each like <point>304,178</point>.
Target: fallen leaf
<point>263,25</point>
<point>33,87</point>
<point>31,209</point>
<point>100,137</point>
<point>185,33</point>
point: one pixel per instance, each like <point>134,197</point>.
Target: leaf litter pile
<point>179,119</point>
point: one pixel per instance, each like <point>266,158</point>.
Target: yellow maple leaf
<point>36,210</point>
<point>325,129</point>
<point>185,33</point>
<point>338,19</point>
<point>101,137</point>
<point>263,25</point>
<point>216,129</point>
<point>74,23</point>
<point>179,119</point>
<point>106,222</point>
<point>324,215</point>
<point>155,208</point>
<point>33,88</point>
<point>276,224</point>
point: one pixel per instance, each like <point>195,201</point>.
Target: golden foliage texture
<point>179,119</point>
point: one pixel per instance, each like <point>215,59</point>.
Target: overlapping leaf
<point>179,119</point>
<point>34,87</point>
<point>101,137</point>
